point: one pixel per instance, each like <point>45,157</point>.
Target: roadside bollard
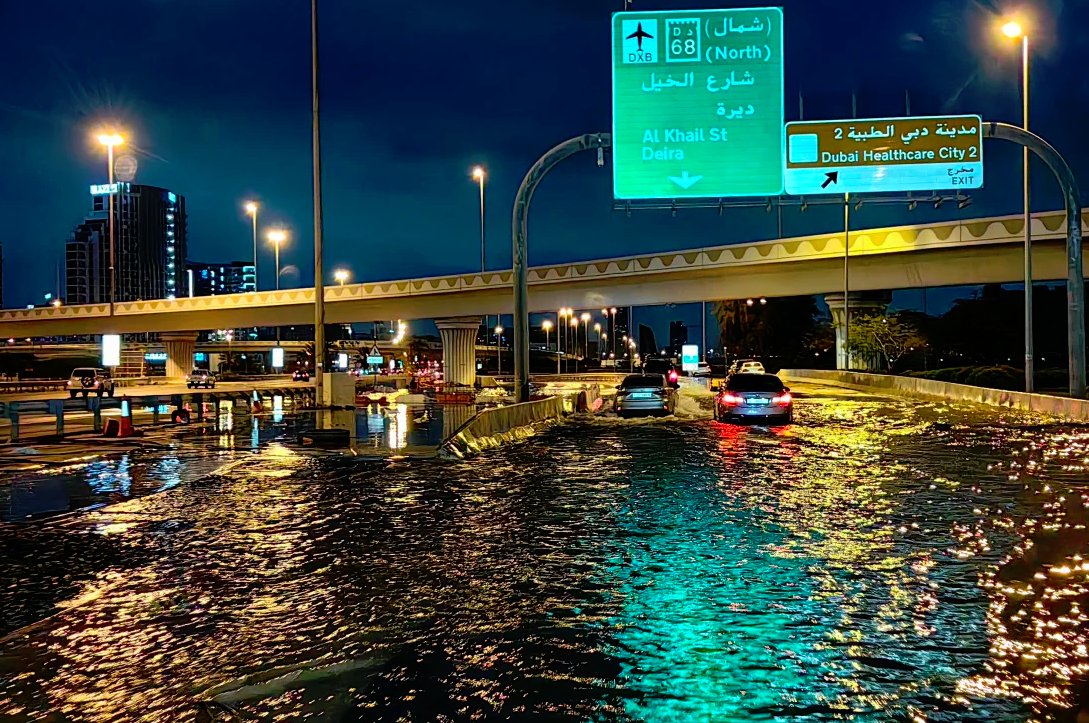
<point>56,406</point>
<point>95,405</point>
<point>12,413</point>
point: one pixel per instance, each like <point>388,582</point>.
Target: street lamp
<point>478,176</point>
<point>251,211</point>
<point>498,351</point>
<point>547,326</point>
<point>597,328</point>
<point>631,355</point>
<point>277,236</point>
<point>110,140</point>
<point>612,326</point>
<point>574,327</point>
<point>341,275</point>
<point>560,316</point>
<point>1012,29</point>
<point>585,333</point>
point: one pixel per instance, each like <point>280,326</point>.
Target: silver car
<point>645,394</point>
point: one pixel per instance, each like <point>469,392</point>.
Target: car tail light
<point>783,398</point>
<point>731,399</point>
<point>673,376</point>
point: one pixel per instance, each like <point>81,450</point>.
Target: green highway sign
<point>931,153</point>
<point>698,103</point>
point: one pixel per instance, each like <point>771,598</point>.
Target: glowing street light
<point>277,236</point>
<point>547,326</point>
<point>499,351</point>
<point>1012,29</point>
<point>111,139</point>
<point>251,211</point>
<point>585,333</point>
<point>341,276</point>
<point>479,175</point>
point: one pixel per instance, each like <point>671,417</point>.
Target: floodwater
<point>879,560</point>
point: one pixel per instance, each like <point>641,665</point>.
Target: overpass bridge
<point>964,252</point>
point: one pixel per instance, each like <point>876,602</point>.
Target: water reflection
<point>600,571</point>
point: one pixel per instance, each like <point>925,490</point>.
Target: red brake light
<point>730,399</point>
<point>783,398</point>
<point>673,375</point>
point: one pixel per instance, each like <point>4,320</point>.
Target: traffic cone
<point>126,429</point>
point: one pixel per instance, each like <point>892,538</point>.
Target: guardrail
<point>32,385</point>
<point>57,408</point>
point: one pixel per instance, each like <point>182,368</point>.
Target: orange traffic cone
<point>126,429</point>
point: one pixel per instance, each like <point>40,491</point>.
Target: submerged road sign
<point>884,154</point>
<point>698,103</point>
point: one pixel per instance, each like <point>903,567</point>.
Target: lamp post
<point>110,140</point>
<point>585,333</point>
<point>478,176</point>
<point>574,326</point>
<point>1012,29</point>
<point>251,211</point>
<point>631,356</point>
<point>561,327</point>
<point>597,328</point>
<point>341,275</point>
<point>612,316</point>
<point>498,351</point>
<point>277,236</point>
<point>547,326</point>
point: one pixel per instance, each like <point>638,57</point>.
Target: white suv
<point>751,367</point>
<point>90,380</point>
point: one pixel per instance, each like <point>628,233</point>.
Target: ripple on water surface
<point>602,571</point>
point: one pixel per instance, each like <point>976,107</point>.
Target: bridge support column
<point>459,349</point>
<point>859,304</point>
<point>180,347</point>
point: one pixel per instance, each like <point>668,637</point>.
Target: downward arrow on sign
<point>685,181</point>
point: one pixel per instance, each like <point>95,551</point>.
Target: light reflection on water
<point>602,571</point>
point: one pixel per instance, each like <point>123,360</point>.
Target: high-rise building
<point>150,227</point>
<point>236,277</point>
<point>678,336</point>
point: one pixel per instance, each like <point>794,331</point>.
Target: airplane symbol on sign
<point>639,34</point>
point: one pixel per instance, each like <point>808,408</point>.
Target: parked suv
<point>200,378</point>
<point>90,380</point>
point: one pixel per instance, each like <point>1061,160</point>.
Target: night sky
<point>215,96</point>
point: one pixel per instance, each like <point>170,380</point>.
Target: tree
<point>778,329</point>
<point>879,336</point>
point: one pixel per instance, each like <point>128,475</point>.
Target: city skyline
<point>244,115</point>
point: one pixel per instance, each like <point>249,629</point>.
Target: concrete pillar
<point>459,349</point>
<point>861,303</point>
<point>180,347</point>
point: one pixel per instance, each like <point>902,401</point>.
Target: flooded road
<point>881,559</point>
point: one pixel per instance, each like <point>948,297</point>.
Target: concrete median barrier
<point>1076,410</point>
<point>492,428</point>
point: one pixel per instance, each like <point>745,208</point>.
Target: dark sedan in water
<point>754,398</point>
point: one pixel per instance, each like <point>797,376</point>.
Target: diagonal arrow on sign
<point>685,181</point>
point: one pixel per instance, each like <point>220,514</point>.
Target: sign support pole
<point>520,223</point>
<point>846,281</point>
<point>1075,281</point>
